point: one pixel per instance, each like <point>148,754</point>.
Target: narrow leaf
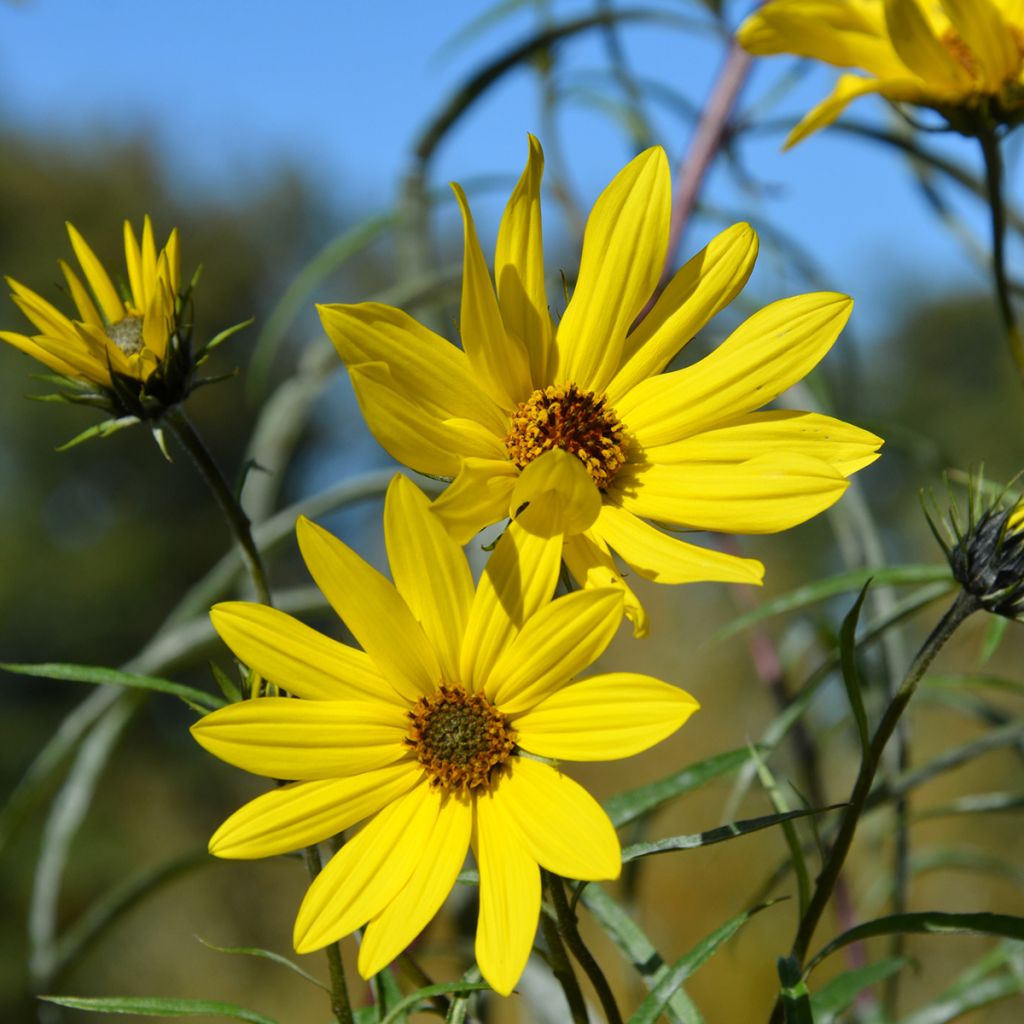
<point>994,634</point>
<point>158,1006</point>
<point>851,678</point>
<point>424,994</point>
<point>266,954</point>
<point>842,991</point>
<point>103,429</point>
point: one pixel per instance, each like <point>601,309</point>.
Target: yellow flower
<point>437,732</point>
<point>126,336</point>
<point>582,414</point>
<point>963,58</point>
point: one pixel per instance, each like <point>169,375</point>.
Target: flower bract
<point>579,418</point>
<point>963,58</point>
<point>437,734</point>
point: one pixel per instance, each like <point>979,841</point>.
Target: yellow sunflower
<point>437,733</point>
<point>963,58</point>
<point>123,335</point>
<point>526,410</point>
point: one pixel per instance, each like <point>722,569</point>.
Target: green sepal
<point>204,352</point>
<point>103,429</point>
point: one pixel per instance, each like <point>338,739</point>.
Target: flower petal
<point>372,609</point>
<point>296,658</point>
<point>283,738</point>
<point>623,252</point>
<point>430,571</point>
<point>764,495</point>
<point>368,871</point>
<point>563,826</point>
<point>591,564</point>
<point>919,47</point>
<point>981,26</point>
<point>45,317</point>
<point>707,283</point>
<point>99,281</point>
<point>560,493</point>
<point>519,268</point>
<point>59,356</point>
<point>509,896</point>
<point>133,260</point>
<point>518,580</point>
<point>476,498</point>
<point>768,352</point>
<point>604,718</point>
<point>499,360</point>
<point>83,300</point>
<point>303,813</point>
<point>666,559</point>
<point>552,647</point>
<point>438,865</point>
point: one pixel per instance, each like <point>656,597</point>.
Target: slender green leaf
<point>953,1007</point>
<point>851,678</point>
<point>976,803</point>
<point>102,429</point>
<point>842,991</point>
<point>966,859</point>
<point>266,954</point>
<point>715,835</point>
<point>635,803</point>
<point>796,1000</point>
<point>115,677</point>
<point>973,681</point>
<point>994,634</point>
<point>424,994</point>
<point>159,1006</point>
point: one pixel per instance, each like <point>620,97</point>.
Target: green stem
<point>964,605</point>
<point>237,520</point>
<point>562,970</point>
<point>571,937</point>
<point>997,205</point>
<point>340,1005</point>
<point>406,961</point>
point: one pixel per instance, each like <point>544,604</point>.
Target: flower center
<point>459,738</point>
<point>578,422</point>
<point>126,334</point>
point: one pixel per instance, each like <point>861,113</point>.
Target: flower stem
<point>340,1005</point>
<point>997,205</point>
<point>237,520</point>
<point>964,605</point>
<point>571,937</point>
<point>562,970</point>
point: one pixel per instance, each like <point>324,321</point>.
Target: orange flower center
<point>578,422</point>
<point>126,334</point>
<point>460,738</point>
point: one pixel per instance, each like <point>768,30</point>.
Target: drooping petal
<point>298,659</point>
<point>499,360</point>
<point>563,826</point>
<point>46,318</point>
<point>604,718</point>
<point>368,871</point>
<point>981,26</point>
<point>429,570</point>
<point>559,492</point>
<point>60,356</point>
<point>771,350</point>
<point>841,444</point>
<point>517,582</point>
<point>519,268</point>
<point>623,252</point>
<point>552,647</point>
<point>764,495</point>
<point>591,564</point>
<point>919,48</point>
<point>80,296</point>
<point>283,738</point>
<point>509,896</point>
<point>303,813</point>
<point>665,559</point>
<point>99,281</point>
<point>705,285</point>
<point>439,863</point>
<point>372,609</point>
<point>476,498</point>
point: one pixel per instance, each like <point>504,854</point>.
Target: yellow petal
<point>981,26</point>
<point>509,896</point>
<point>591,564</point>
<point>500,363</point>
<point>707,283</point>
<point>83,301</point>
<point>173,252</point>
<point>840,444</point>
<point>99,282</point>
<point>919,48</point>
<point>518,581</point>
<point>372,609</point>
<point>666,559</point>
<point>368,871</point>
<point>768,352</point>
<point>563,826</point>
<point>604,718</point>
<point>623,251</point>
<point>299,659</point>
<point>767,494</point>
<point>133,259</point>
<point>519,269</point>
<point>148,263</point>
<point>303,813</point>
<point>476,498</point>
<point>553,646</point>
<point>439,863</point>
<point>427,370</point>
<point>59,356</point>
<point>559,492</point>
<point>429,570</point>
<point>45,317</point>
<point>283,738</point>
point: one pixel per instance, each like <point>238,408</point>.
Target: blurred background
<point>303,151</point>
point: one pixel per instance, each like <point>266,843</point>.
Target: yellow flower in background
<point>114,333</point>
<point>435,733</point>
<point>963,58</point>
<point>580,419</point>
